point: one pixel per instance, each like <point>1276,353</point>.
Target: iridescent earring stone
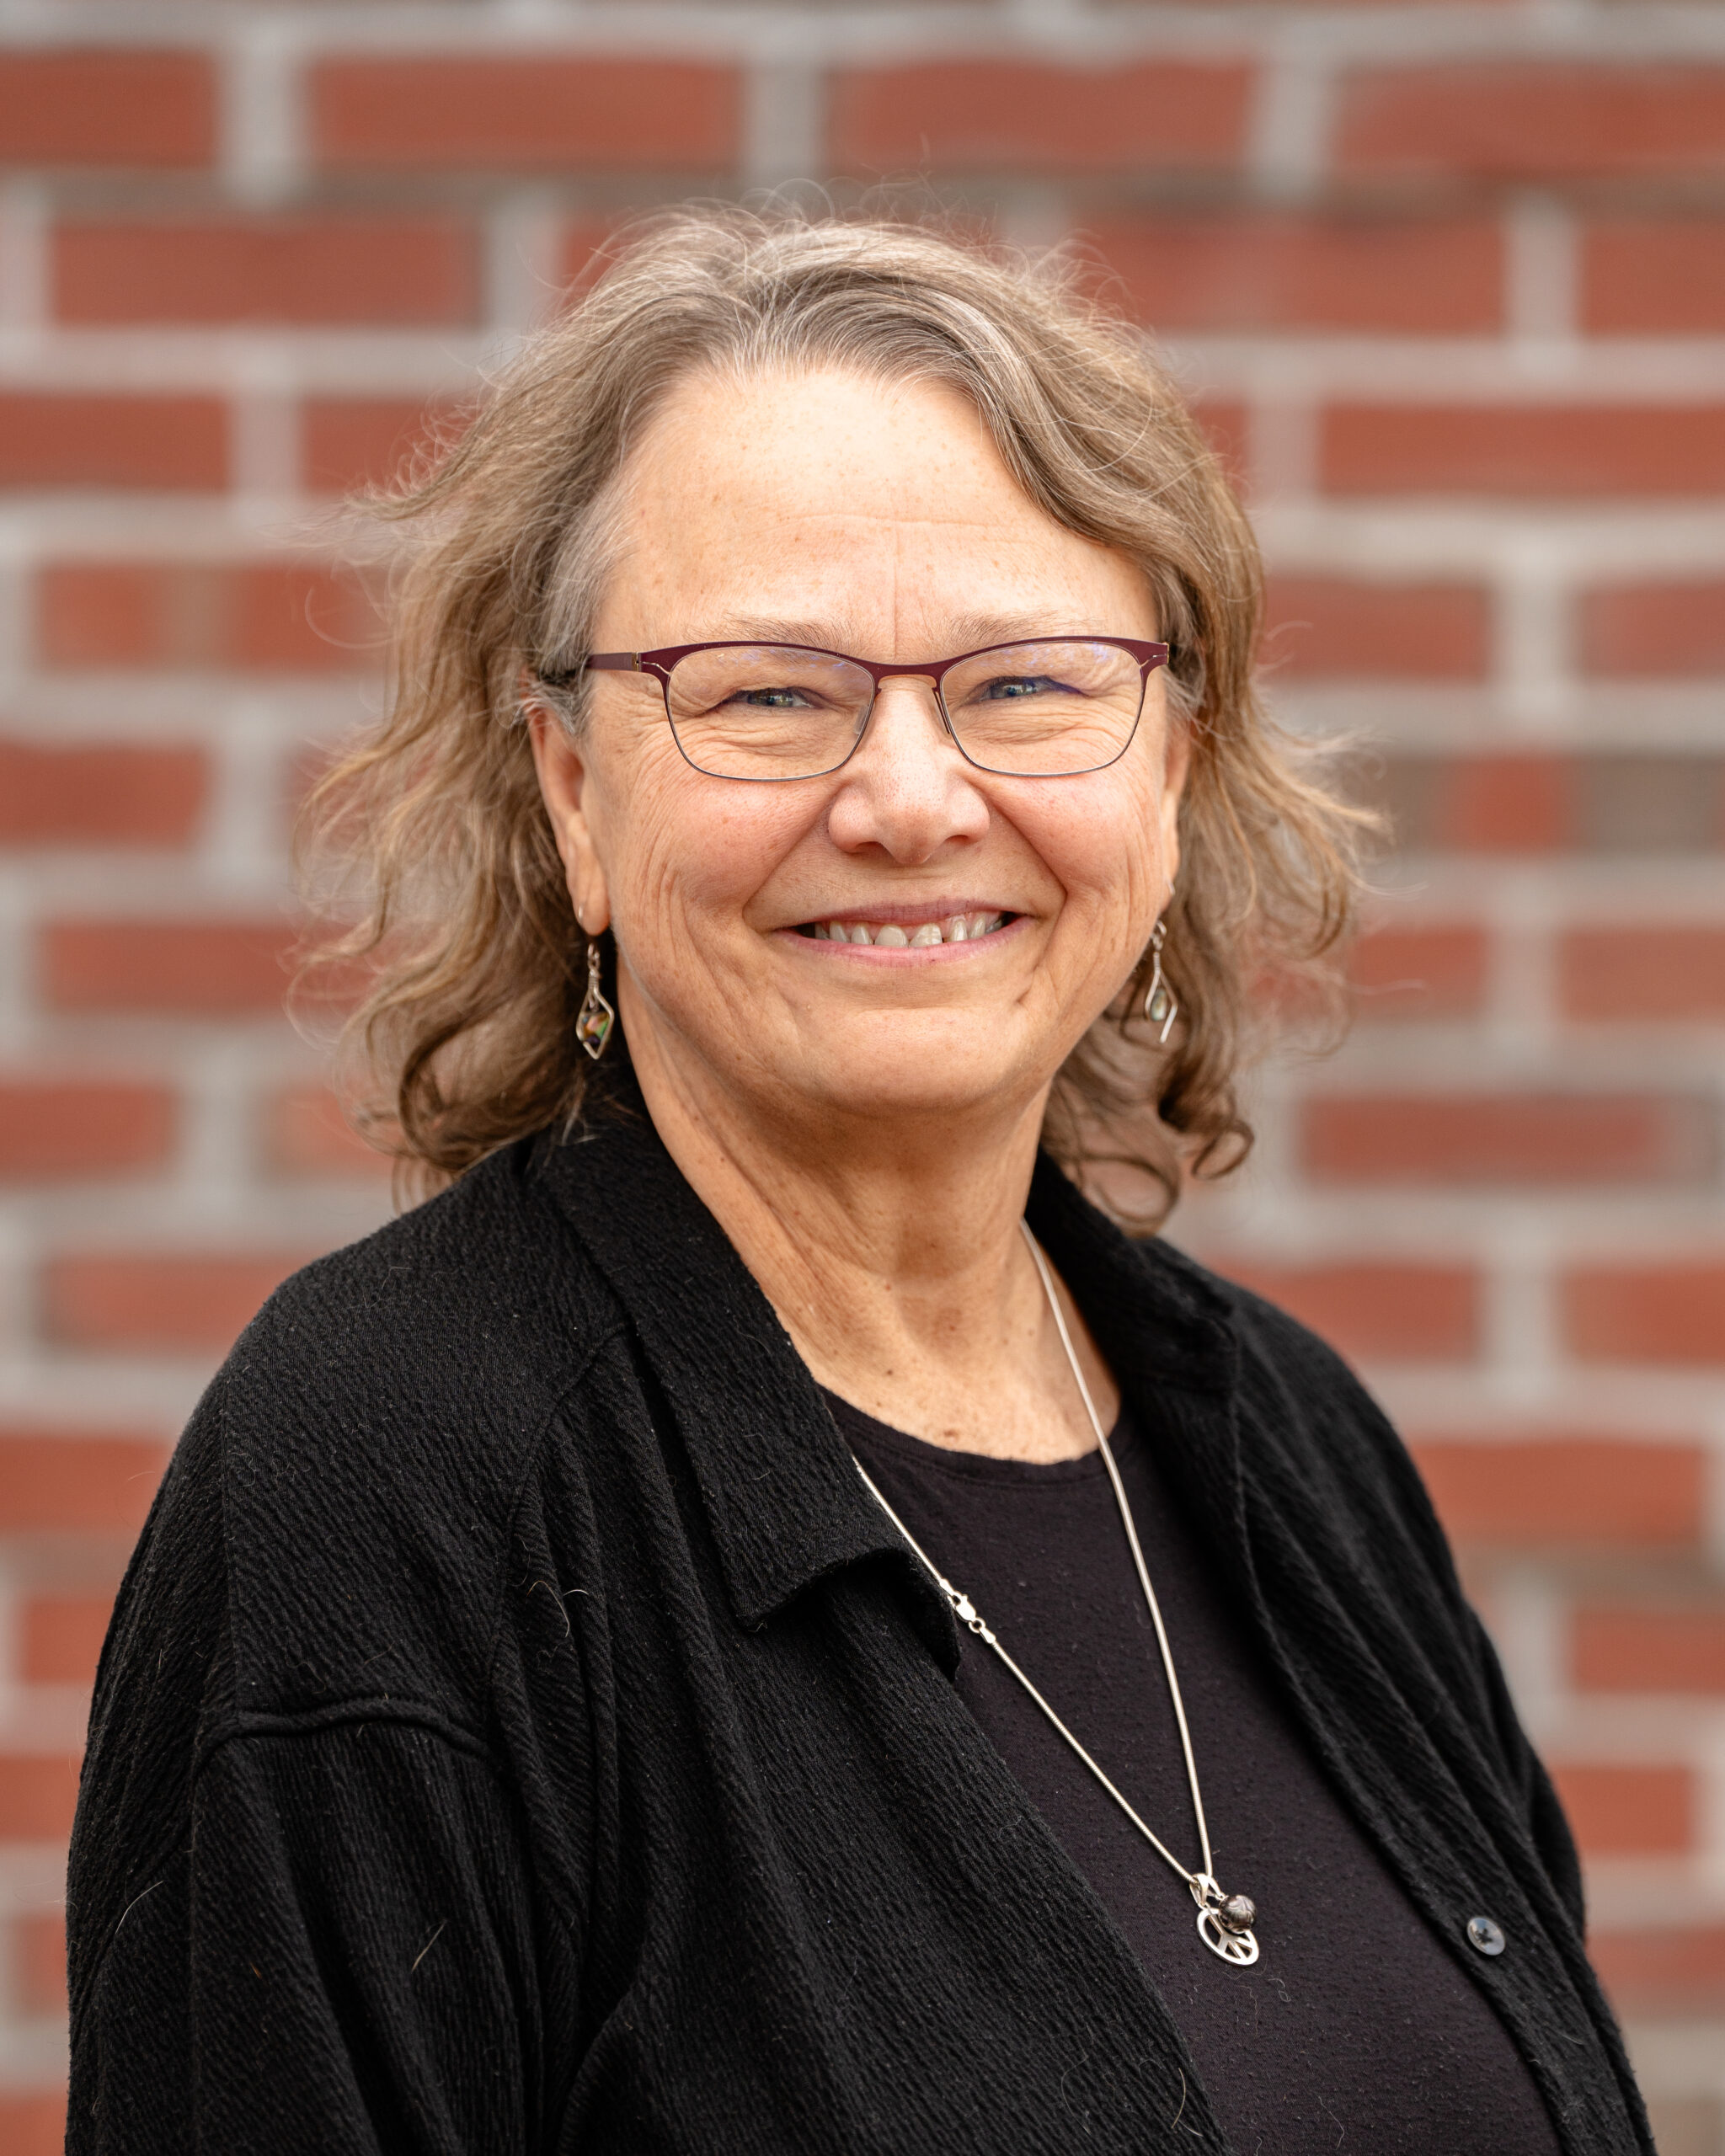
<point>596,1019</point>
<point>1159,1005</point>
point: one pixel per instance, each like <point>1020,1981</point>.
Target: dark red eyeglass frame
<point>659,664</point>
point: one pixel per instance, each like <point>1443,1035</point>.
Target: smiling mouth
<point>921,935</point>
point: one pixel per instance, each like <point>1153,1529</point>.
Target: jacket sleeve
<point>341,1957</point>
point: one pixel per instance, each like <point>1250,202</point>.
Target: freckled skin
<point>826,1102</point>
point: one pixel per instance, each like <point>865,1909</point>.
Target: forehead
<point>832,491</point>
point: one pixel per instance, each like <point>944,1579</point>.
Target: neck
<point>891,1250</point>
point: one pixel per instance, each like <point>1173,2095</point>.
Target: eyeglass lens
<point>777,711</point>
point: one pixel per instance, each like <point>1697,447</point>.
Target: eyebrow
<point>965,631</point>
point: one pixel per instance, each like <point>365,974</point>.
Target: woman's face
<point>829,510</point>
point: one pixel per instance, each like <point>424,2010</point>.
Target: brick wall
<point>1450,281</point>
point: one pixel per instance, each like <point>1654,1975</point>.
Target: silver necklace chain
<point>1225,1921</point>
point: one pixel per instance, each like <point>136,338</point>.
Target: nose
<point>906,790</point>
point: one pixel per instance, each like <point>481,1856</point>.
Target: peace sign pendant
<point>1225,1922</point>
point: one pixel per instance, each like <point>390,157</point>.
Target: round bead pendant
<point>1225,1923</point>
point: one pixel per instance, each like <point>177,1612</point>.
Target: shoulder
<point>369,1436</point>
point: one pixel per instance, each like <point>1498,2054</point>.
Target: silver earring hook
<point>1160,1007</point>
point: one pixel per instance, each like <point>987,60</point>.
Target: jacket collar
<point>784,1501</point>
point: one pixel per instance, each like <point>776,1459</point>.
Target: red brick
<point>531,114</point>
<point>48,438</point>
<point>1558,450</point>
<point>1247,274</point>
<point>162,1303</point>
<point>380,272</point>
<point>1661,1966</point>
<point>1555,1492</point>
<point>1419,973</point>
<point>1618,1809</point>
<point>33,2126</point>
<point>64,1483</point>
<point>110,793</point>
<point>308,1136</point>
<point>349,442</point>
<point>62,1636</point>
<point>40,1965</point>
<point>1676,973</point>
<point>1497,120</point>
<point>1506,804</point>
<point>1500,1138</point>
<point>186,969</point>
<point>1640,274</point>
<point>54,1132</point>
<point>1390,1310</point>
<point>1226,427</point>
<point>1030,116</point>
<point>1666,1313</point>
<point>1635,630</point>
<point>36,1798</point>
<point>1622,1649</point>
<point>1335,628</point>
<point>88,106</point>
<point>267,616</point>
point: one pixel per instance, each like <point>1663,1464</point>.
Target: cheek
<point>685,854</point>
<point>1105,848</point>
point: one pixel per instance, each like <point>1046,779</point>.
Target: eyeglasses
<point>1046,707</point>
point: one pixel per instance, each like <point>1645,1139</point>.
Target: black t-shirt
<point>1355,2030</point>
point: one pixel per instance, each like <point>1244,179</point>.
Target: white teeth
<point>859,933</point>
<point>954,929</point>
<point>928,933</point>
<point>957,928</point>
<point>892,936</point>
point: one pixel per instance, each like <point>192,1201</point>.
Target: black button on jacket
<point>520,1732</point>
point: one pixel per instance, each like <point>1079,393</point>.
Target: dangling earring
<point>596,1017</point>
<point>1159,1005</point>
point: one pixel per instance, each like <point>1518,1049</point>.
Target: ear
<point>1177,765</point>
<point>564,779</point>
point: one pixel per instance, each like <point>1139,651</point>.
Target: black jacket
<point>520,1730</point>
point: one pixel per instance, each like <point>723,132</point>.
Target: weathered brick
<point>384,272</point>
<point>1499,1139</point>
<point>173,969</point>
<point>40,1961</point>
<point>33,2124</point>
<point>1561,450</point>
<point>60,1637</point>
<point>36,1797</point>
<point>59,1130</point>
<point>269,616</point>
<point>91,105</point>
<point>1617,1809</point>
<point>107,793</point>
<point>353,442</point>
<point>1436,972</point>
<point>1675,973</point>
<point>1554,1491</point>
<point>1253,273</point>
<point>1379,1311</point>
<point>59,1482</point>
<point>1341,628</point>
<point>1619,1647</point>
<point>52,438</point>
<point>1668,628</point>
<point>308,1136</point>
<point>534,112</point>
<point>160,1302</point>
<point>1660,1968</point>
<point>1652,273</point>
<point>1029,116</point>
<point>1671,1312</point>
<point>1536,120</point>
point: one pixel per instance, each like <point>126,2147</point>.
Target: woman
<point>658,1649</point>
